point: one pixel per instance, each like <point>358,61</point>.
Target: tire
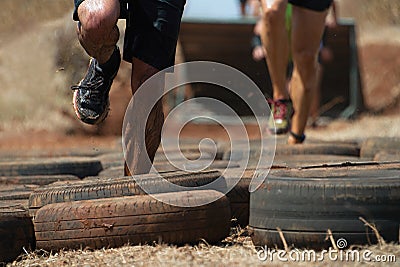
<point>117,171</point>
<point>81,167</point>
<point>117,159</point>
<point>37,179</point>
<point>301,149</point>
<point>135,220</point>
<point>372,146</point>
<point>16,232</point>
<point>298,161</point>
<point>304,204</point>
<point>168,167</point>
<point>161,157</point>
<point>239,196</point>
<point>318,149</point>
<point>216,164</point>
<point>16,192</point>
<point>111,160</point>
<point>301,161</point>
<point>43,154</point>
<point>108,188</point>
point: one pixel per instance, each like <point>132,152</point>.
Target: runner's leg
<point>276,42</point>
<point>307,30</point>
<point>142,71</point>
<point>150,46</point>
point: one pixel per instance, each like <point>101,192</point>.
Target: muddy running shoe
<point>91,95</point>
<point>282,112</point>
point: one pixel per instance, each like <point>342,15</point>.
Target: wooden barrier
<point>229,42</point>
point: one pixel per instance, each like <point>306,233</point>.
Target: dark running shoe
<point>91,95</point>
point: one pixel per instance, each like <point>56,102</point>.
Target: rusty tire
<point>125,186</point>
<point>239,195</point>
<point>16,192</point>
<point>16,232</point>
<point>36,179</point>
<point>81,167</point>
<point>135,220</point>
<point>305,204</point>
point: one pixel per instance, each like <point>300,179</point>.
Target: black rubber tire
<point>111,160</point>
<point>108,188</point>
<point>372,146</point>
<point>116,159</point>
<point>161,157</point>
<point>117,171</point>
<point>81,167</point>
<point>216,164</point>
<point>340,149</point>
<point>167,167</point>
<point>16,232</point>
<point>16,192</point>
<point>239,196</point>
<point>304,204</point>
<point>37,154</point>
<point>135,220</point>
<point>298,161</point>
<point>318,149</point>
<point>36,179</point>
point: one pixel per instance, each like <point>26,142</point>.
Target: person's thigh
<point>307,29</point>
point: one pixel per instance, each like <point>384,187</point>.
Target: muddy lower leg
<point>97,30</point>
<point>140,156</point>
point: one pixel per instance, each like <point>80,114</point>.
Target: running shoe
<point>281,115</point>
<point>91,95</point>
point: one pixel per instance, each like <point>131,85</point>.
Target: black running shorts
<point>316,5</point>
<point>152,28</point>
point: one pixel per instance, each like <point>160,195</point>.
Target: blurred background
<point>40,59</point>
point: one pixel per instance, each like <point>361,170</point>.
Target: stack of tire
<point>108,213</point>
<point>313,205</point>
<point>311,189</point>
<point>82,210</point>
<point>307,207</point>
<point>20,175</point>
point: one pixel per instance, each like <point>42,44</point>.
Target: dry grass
<point>237,250</point>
